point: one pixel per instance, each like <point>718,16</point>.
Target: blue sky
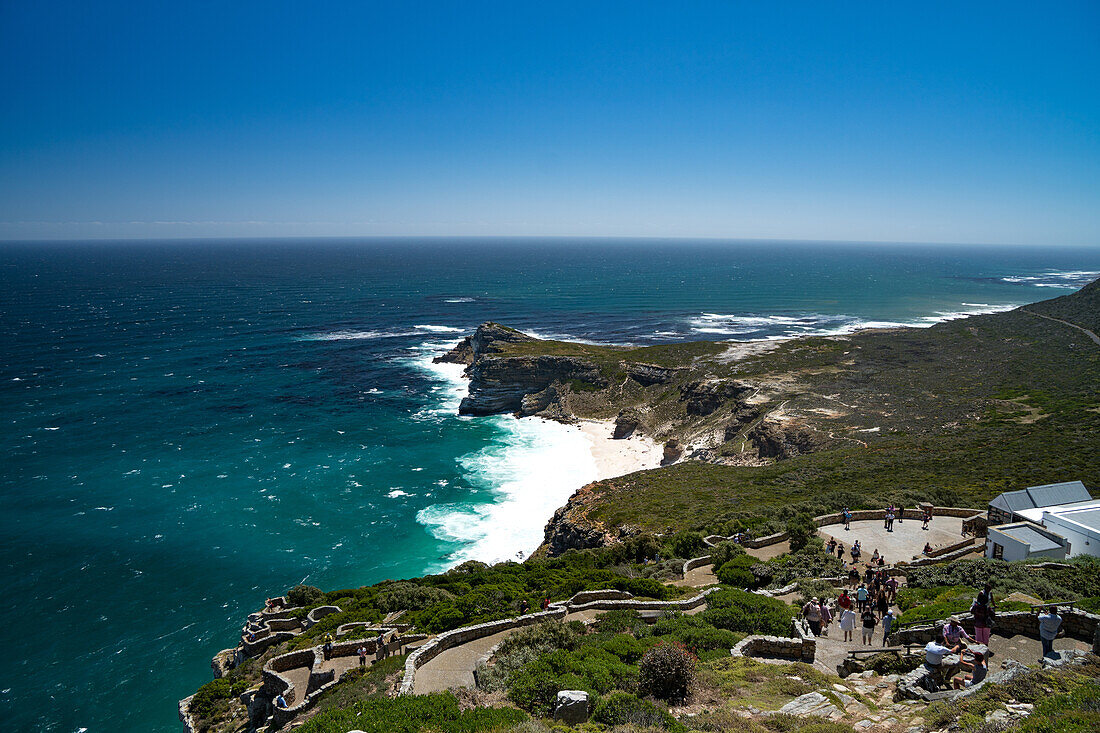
<point>857,121</point>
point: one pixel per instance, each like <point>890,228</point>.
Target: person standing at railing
<point>1050,623</point>
<point>983,612</point>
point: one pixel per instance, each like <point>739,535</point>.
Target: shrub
<point>695,634</point>
<point>815,588</point>
<point>206,699</point>
<point>305,595</point>
<point>723,552</point>
<point>737,610</point>
<point>686,544</point>
<point>409,596</point>
<point>617,621</point>
<point>733,574</point>
<point>412,713</point>
<point>622,708</point>
<point>810,562</point>
<point>801,529</point>
<point>667,672</point>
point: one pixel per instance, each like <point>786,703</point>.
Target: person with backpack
<point>869,623</point>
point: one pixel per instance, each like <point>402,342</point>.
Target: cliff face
<point>571,529</point>
<point>526,385</point>
<point>501,384</point>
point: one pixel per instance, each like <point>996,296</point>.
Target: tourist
<point>954,633</point>
<point>874,555</point>
<point>328,646</point>
<point>934,652</point>
<point>830,546</point>
<point>892,588</point>
<point>826,617</point>
<point>839,550</point>
<point>927,519</point>
<point>886,518</point>
<point>881,603</point>
<point>362,651</point>
<point>524,607</point>
<point>887,624</point>
<point>927,548</point>
<point>848,623</point>
<point>861,597</point>
<point>890,521</point>
<point>280,702</point>
<point>380,646</point>
<point>969,680</point>
<point>853,577</point>
<point>847,519</point>
<point>812,613</point>
<point>545,603</point>
<point>869,623</point>
<point>844,601</point>
<point>1049,625</point>
<point>982,610</point>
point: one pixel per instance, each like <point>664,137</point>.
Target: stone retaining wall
<point>938,551</point>
<point>1077,624</point>
<point>610,594</point>
<point>695,562</point>
<point>801,647</point>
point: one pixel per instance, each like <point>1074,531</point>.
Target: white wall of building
<point>1082,540</point>
<point>1014,549</point>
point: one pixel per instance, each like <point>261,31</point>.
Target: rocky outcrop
<point>704,396</point>
<point>626,423</point>
<point>500,384</point>
<point>570,528</point>
<point>774,439</point>
<point>649,374</point>
<point>487,339</point>
<point>742,417</point>
<point>673,452</point>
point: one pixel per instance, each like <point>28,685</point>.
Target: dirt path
<point>697,578</point>
<point>1090,334</point>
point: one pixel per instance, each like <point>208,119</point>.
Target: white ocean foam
<point>1067,279</point>
<point>533,470</point>
<point>439,329</point>
<point>397,493</point>
<point>353,335</point>
<point>459,300</point>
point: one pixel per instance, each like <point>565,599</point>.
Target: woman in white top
<point>848,623</point>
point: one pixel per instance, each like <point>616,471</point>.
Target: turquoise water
<point>192,427</point>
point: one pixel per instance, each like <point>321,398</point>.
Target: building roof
<point>1086,514</point>
<point>1036,515</point>
<point>1031,536</point>
<point>1067,492</point>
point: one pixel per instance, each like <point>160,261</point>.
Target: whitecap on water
<point>397,492</point>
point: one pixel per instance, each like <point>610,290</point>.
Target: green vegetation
<point>305,595</point>
<point>924,605</point>
<point>364,683</point>
<point>622,708</point>
<point>410,714</point>
<point>1079,577</point>
<point>209,698</point>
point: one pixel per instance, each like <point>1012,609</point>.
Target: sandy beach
<point>619,457</point>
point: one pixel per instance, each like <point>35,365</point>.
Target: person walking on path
<point>882,604</point>
<point>1049,625</point>
<point>812,613</point>
<point>362,651</point>
<point>983,612</point>
<point>847,519</point>
<point>380,646</point>
<point>887,624</point>
<point>861,597</point>
<point>892,588</point>
<point>839,550</point>
<point>844,601</point>
<point>927,519</point>
<point>869,623</point>
<point>890,521</point>
<point>848,623</point>
<point>826,617</point>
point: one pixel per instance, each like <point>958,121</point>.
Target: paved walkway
<point>767,553</point>
<point>454,667</point>
<point>697,578</point>
<point>906,541</point>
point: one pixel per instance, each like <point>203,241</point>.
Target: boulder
<point>626,423</point>
<point>812,703</point>
<point>704,396</point>
<point>673,451</point>
<point>571,707</point>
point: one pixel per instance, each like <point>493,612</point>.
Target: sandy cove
<point>619,457</point>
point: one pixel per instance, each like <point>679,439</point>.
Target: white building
<point>1021,540</point>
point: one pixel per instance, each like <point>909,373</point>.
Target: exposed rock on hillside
<point>704,396</point>
<point>648,375</point>
<point>501,384</point>
<point>626,423</point>
<point>571,529</point>
<point>487,339</point>
<point>774,439</point>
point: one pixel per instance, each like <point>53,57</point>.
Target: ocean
<point>191,427</point>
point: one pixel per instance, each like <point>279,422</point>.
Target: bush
<point>810,562</point>
<point>801,529</point>
<point>409,596</point>
<point>206,699</point>
<point>733,574</point>
<point>686,544</point>
<point>737,610</point>
<point>622,708</point>
<point>410,714</point>
<point>695,634</point>
<point>305,595</point>
<point>667,672</point>
<point>723,552</point>
<point>617,621</point>
<point>815,588</point>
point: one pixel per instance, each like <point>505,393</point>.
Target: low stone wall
<point>1077,624</point>
<point>610,594</point>
<point>789,588</point>
<point>947,557</point>
<point>801,647</point>
<point>767,541</point>
<point>939,551</point>
<point>687,604</point>
<point>319,613</point>
<point>695,562</point>
<point>450,639</point>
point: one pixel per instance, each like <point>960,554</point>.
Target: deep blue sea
<point>190,427</point>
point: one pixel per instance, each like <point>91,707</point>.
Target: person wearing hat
<point>812,613</point>
<point>954,634</point>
